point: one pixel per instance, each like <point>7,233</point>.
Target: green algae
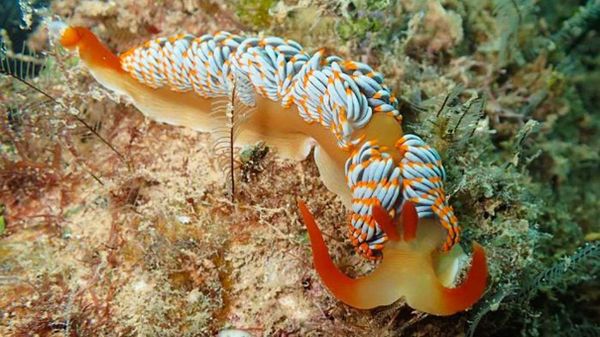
<point>254,13</point>
<point>518,132</point>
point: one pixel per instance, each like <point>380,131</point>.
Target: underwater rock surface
<point>114,225</point>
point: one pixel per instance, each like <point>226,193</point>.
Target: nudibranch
<point>391,181</point>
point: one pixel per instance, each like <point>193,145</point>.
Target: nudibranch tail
<point>160,104</point>
<point>91,50</point>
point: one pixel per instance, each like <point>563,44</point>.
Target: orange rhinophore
<point>295,101</point>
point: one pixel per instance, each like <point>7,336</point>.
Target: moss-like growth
<point>255,13</point>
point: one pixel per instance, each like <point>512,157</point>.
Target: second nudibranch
<point>299,101</point>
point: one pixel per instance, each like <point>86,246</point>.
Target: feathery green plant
<point>566,272</point>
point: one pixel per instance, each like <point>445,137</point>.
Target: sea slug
<point>342,109</point>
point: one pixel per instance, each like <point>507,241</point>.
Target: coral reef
<point>114,225</point>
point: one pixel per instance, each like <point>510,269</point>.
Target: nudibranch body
<point>299,101</point>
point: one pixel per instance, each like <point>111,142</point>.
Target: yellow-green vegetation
<point>2,221</point>
<point>254,12</point>
<point>141,239</point>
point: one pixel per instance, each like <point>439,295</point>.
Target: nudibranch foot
<point>435,297</point>
<point>409,270</point>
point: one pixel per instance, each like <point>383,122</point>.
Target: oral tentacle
<point>367,292</point>
<point>427,294</point>
<point>472,288</point>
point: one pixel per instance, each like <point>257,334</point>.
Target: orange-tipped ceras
<point>296,101</point>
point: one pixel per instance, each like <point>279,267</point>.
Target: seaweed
<point>583,265</point>
<point>255,13</point>
<point>577,25</point>
<point>510,16</point>
<point>557,273</point>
